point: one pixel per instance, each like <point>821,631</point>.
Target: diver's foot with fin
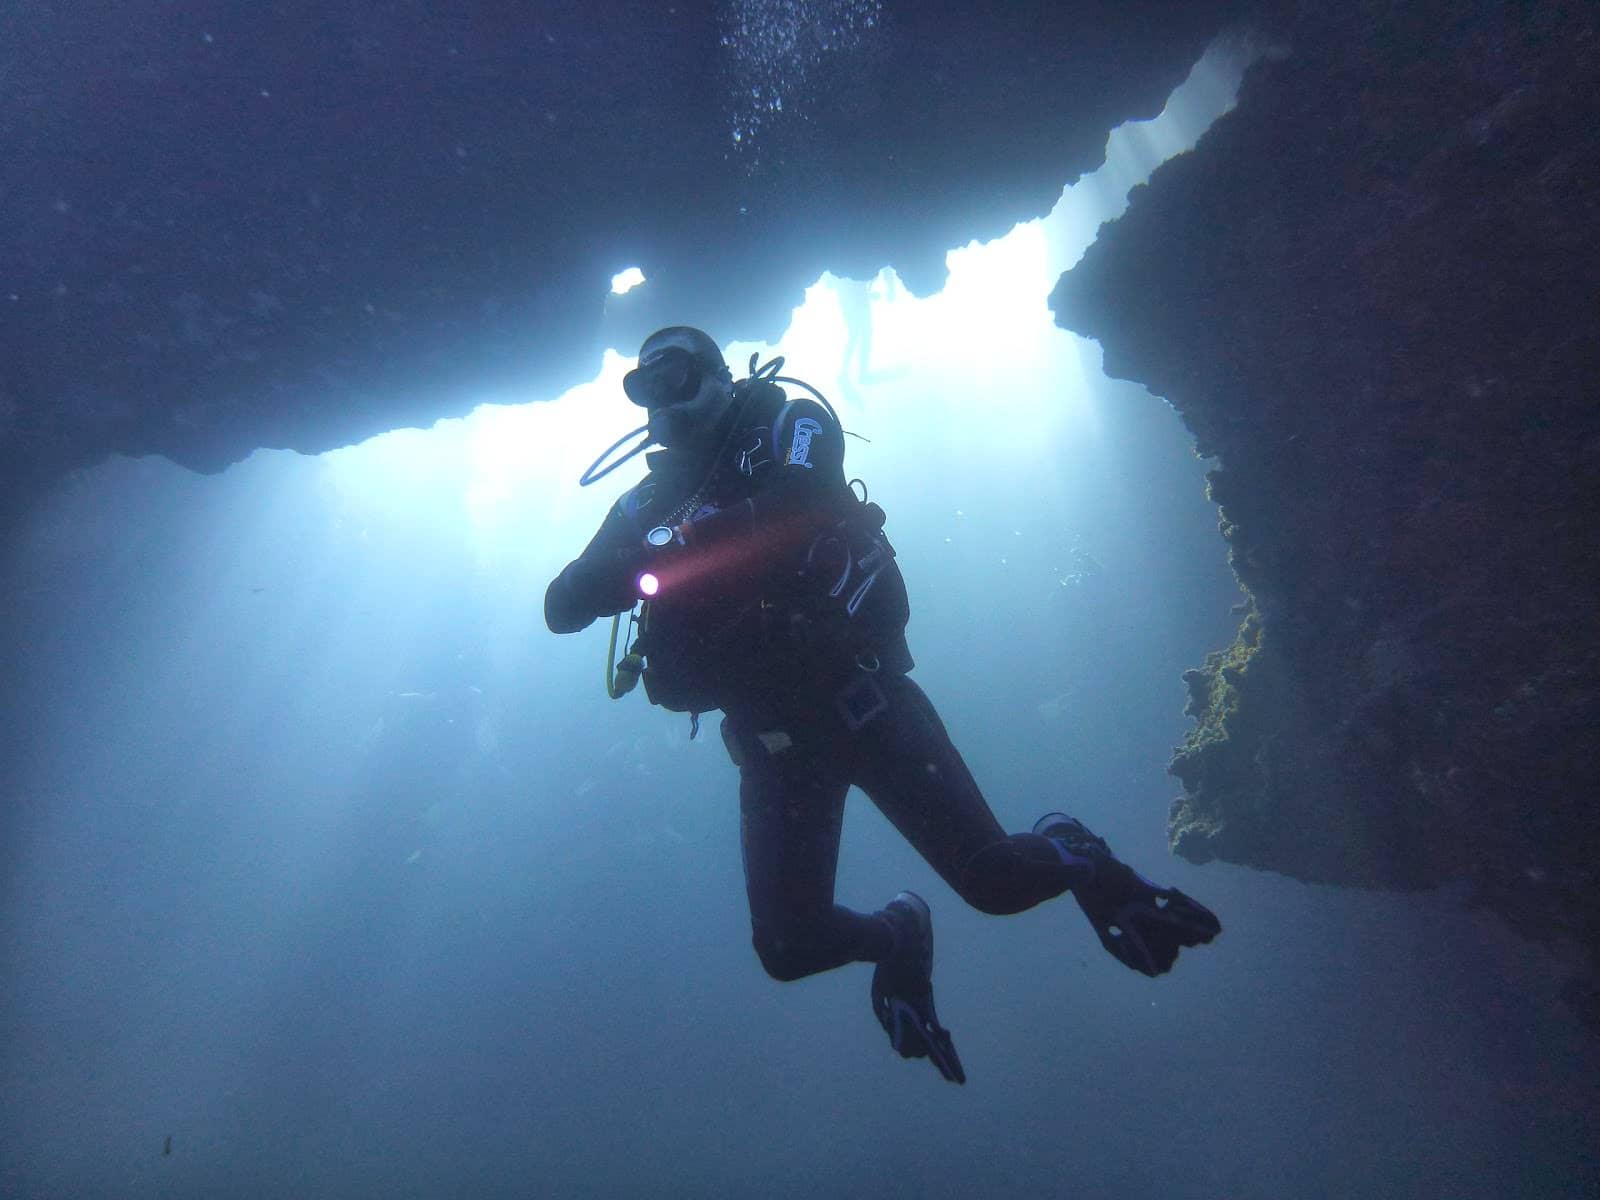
<point>1141,924</point>
<point>902,989</point>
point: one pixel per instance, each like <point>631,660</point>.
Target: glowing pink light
<point>649,585</point>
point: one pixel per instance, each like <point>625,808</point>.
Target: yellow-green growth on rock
<point>1219,754</point>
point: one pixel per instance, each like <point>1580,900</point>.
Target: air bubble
<point>776,49</point>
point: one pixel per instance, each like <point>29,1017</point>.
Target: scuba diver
<point>770,592</point>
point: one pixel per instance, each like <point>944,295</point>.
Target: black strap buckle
<point>860,700</point>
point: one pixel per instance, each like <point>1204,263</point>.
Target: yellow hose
<point>628,669</point>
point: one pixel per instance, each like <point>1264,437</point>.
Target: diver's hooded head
<point>684,383</point>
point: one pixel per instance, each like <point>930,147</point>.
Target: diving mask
<point>665,377</point>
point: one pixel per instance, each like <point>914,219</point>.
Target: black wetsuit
<point>764,615</point>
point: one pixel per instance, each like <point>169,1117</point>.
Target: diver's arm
<point>597,583</point>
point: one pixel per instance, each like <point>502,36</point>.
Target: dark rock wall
<point>1373,292</point>
<point>299,224</point>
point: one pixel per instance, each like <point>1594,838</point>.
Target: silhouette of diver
<point>774,596</point>
<point>855,298</point>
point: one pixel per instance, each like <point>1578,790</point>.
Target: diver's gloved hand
<point>608,582</point>
<point>1139,923</point>
<point>902,990</point>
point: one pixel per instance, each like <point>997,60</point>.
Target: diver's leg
<point>904,760</point>
<point>791,811</point>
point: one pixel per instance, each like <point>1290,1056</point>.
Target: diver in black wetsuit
<point>773,595</point>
